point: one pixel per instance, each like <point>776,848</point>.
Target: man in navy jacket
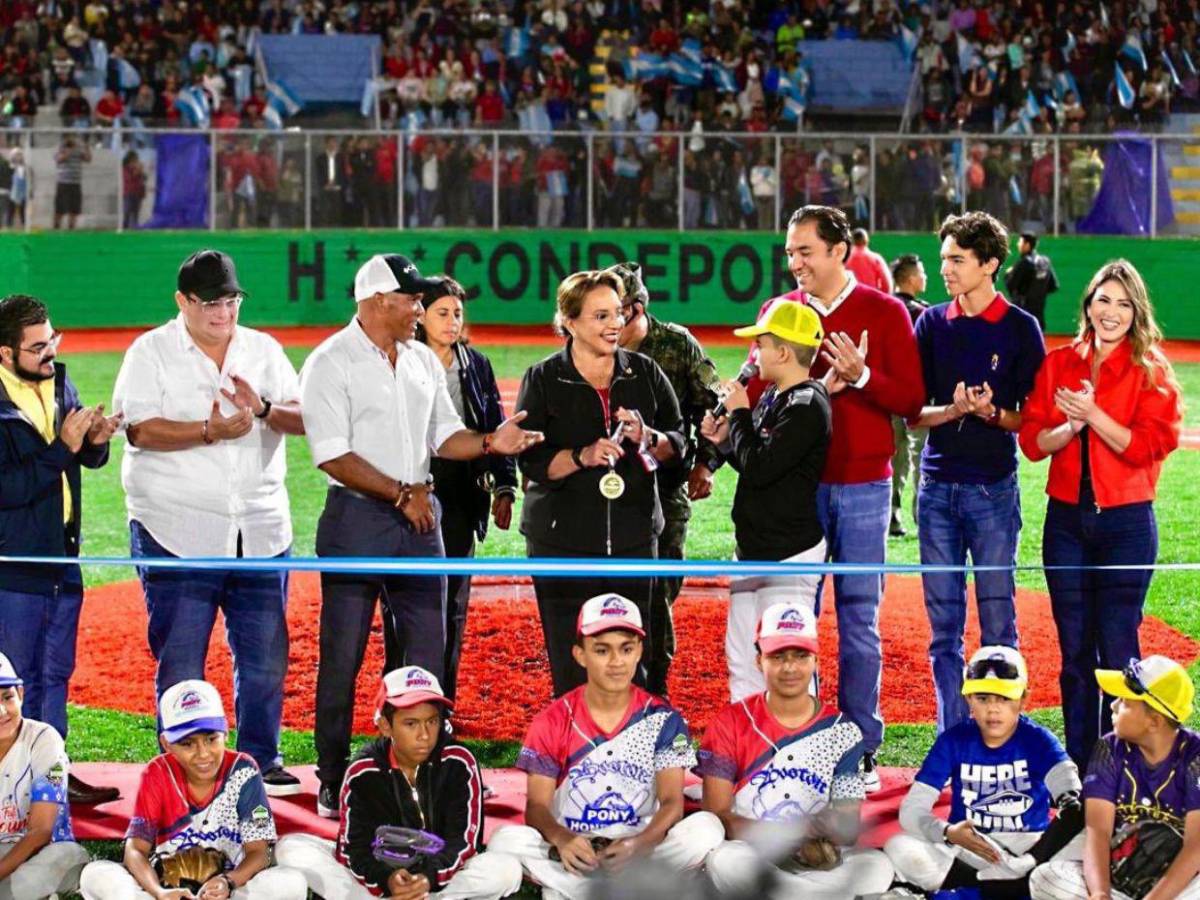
<point>45,435</point>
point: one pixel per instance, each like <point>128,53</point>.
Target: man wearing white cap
<point>414,777</point>
<point>196,800</point>
<point>605,765</point>
<point>1006,773</point>
<point>38,853</point>
<point>785,758</point>
<point>376,409</point>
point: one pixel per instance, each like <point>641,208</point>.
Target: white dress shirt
<point>194,502</point>
<point>355,402</point>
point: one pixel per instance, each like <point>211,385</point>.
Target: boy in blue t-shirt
<point>1005,773</point>
<point>1146,770</point>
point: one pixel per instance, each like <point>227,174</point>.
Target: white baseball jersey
<point>33,771</point>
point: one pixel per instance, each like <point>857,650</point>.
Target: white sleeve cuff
<point>328,448</point>
<point>863,378</point>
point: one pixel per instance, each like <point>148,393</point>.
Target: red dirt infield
<point>504,678</point>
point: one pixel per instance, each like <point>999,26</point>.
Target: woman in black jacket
<point>466,489</point>
<point>610,418</point>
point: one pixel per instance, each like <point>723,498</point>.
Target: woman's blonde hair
<point>576,287</point>
<point>1145,337</point>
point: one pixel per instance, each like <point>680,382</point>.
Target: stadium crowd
<point>616,435</point>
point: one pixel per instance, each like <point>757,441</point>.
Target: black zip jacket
<point>461,481</point>
<point>448,803</point>
<point>779,453</point>
<point>31,496</point>
<point>570,513</point>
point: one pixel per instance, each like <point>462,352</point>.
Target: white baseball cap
<point>384,273</point>
<point>409,686</point>
<point>188,707</point>
<point>786,625</point>
<point>608,612</point>
<point>8,675</point>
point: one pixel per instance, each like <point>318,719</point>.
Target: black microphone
<point>748,371</point>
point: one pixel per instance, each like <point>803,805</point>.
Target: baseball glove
<point>814,853</point>
<point>400,847</point>
<point>1141,853</point>
<point>188,868</point>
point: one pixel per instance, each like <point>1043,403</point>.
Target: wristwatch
<point>266,410</point>
<point>653,441</point>
<point>577,457</point>
<point>994,418</point>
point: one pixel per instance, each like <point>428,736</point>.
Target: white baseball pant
<point>926,865</point>
<point>685,847</point>
<point>485,876</point>
<point>106,880</point>
<point>748,599</point>
<point>52,870</point>
<point>735,866</point>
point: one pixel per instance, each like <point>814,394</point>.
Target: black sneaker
<point>870,774</point>
<point>280,782</point>
<point>328,802</point>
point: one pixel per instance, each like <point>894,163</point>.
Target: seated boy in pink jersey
<point>606,764</point>
<point>784,757</point>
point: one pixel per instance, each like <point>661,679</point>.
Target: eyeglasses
<point>1133,681</point>
<point>603,317</point>
<point>993,668</point>
<point>40,348</point>
<point>230,303</point>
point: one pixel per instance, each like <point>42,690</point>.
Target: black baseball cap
<point>208,274</point>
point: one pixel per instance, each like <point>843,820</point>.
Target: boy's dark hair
<point>860,237</point>
<point>17,312</point>
<point>1030,240</point>
<point>903,266</point>
<point>832,225</point>
<point>980,233</point>
<point>803,353</point>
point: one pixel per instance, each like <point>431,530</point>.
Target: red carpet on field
<point>504,678</point>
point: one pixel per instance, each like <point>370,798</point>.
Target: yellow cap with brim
<point>991,662</point>
<point>1159,682</point>
<point>789,321</point>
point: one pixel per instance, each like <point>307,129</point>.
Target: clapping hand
<point>511,440</point>
<point>980,400</point>
<point>75,426</point>
<point>844,356</point>
<point>1077,406</point>
<point>226,428</point>
<point>243,396</point>
<point>103,427</point>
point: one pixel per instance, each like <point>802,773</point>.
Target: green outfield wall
<point>304,278</point>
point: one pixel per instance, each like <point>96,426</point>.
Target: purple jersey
<point>1166,792</point>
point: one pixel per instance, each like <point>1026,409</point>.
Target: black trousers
<point>352,525</point>
<point>560,599</point>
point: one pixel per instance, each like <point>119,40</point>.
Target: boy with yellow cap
<point>778,451</point>
<point>1006,772</point>
<point>1146,772</point>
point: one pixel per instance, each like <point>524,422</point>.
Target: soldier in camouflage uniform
<point>693,377</point>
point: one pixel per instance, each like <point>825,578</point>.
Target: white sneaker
<point>870,774</point>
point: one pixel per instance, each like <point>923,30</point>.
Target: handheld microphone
<point>748,371</point>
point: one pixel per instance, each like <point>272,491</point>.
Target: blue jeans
<point>855,519</point>
<point>954,520</point>
<point>37,634</point>
<point>182,605</point>
<point>1097,613</point>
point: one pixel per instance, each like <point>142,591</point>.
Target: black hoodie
<point>447,801</point>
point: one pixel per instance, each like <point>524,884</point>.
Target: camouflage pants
<point>662,599</point>
<point>909,443</point>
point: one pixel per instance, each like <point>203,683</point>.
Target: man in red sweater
<point>870,364</point>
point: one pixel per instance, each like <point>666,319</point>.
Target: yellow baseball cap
<point>1159,682</point>
<point>789,321</point>
<point>996,670</point>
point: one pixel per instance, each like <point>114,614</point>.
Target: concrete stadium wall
<point>98,280</point>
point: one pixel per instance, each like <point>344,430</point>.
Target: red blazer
<point>1152,414</point>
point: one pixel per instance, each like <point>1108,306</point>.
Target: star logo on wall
<point>352,253</point>
<point>418,254</point>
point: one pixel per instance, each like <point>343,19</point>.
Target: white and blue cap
<point>8,675</point>
<point>188,707</point>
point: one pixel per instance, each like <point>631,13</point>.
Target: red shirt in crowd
<point>870,269</point>
<point>490,108</point>
<point>1151,413</point>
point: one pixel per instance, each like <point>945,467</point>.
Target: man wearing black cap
<point>208,403</point>
<point>375,403</point>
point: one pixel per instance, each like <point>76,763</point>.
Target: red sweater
<point>862,446</point>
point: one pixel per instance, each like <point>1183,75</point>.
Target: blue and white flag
<point>99,52</point>
<point>366,106</point>
<point>283,98</point>
<point>1187,61</point>
<point>1014,191</point>
<point>1133,49</point>
<point>1125,94</point>
<point>192,103</point>
<point>243,82</point>
<point>908,42</point>
<point>1031,107</point>
<point>968,56</point>
<point>793,109</point>
<point>1166,57</point>
<point>646,66</point>
<point>272,119</point>
<point>1103,15</point>
<point>516,42</point>
<point>723,77</point>
<point>1064,81</point>
<point>1068,48</point>
<point>687,66</point>
<point>128,76</point>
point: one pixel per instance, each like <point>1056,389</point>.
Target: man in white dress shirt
<point>208,403</point>
<point>376,410</point>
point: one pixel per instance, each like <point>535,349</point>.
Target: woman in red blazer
<point>1106,409</point>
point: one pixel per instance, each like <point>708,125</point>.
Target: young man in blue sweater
<point>979,355</point>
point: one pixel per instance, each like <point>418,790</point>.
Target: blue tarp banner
<point>1123,204</point>
<point>878,79</point>
<point>180,182</point>
<point>322,68</point>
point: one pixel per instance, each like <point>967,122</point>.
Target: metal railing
<point>590,180</point>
